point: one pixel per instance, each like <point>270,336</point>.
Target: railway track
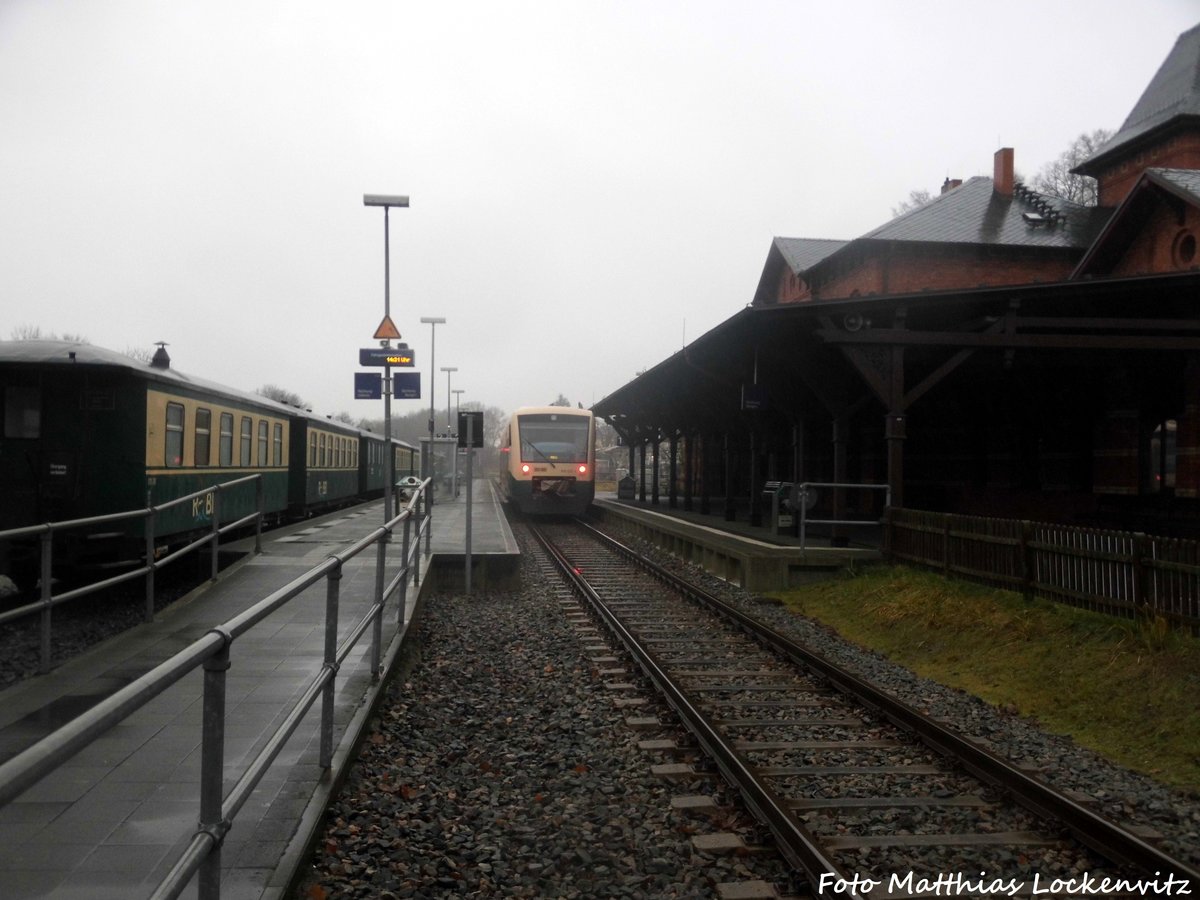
<point>864,795</point>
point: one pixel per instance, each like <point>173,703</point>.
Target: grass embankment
<point>1128,690</point>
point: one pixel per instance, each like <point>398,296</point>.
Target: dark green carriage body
<point>325,464</point>
<point>80,450</point>
<point>372,465</point>
<point>83,436</point>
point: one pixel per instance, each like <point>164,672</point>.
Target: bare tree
<point>281,395</point>
<point>35,333</point>
<point>1056,179</point>
<point>561,401</point>
<point>915,200</point>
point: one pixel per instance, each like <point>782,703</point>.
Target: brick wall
<point>1179,152</point>
<point>1169,242</point>
<point>912,274</point>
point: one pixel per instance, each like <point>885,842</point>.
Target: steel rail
<point>1104,836</point>
<point>801,849</point>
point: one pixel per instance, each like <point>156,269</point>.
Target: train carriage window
<point>226,448</point>
<point>246,441</point>
<point>338,452</point>
<point>277,442</point>
<point>553,438</point>
<point>263,459</point>
<point>322,455</point>
<point>22,412</point>
<point>203,436</point>
<point>312,449</point>
<point>174,436</point>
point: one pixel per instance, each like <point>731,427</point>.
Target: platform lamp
<point>387,201</point>
<point>427,467</point>
<point>448,370</point>
<point>458,392</point>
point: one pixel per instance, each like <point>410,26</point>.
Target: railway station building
<point>995,351</point>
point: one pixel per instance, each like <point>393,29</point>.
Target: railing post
<point>216,529</point>
<point>427,520</point>
<point>212,775</point>
<point>404,561</point>
<point>377,626</point>
<point>47,571</point>
<point>888,525</point>
<point>260,505</point>
<point>148,611</point>
<point>803,516</point>
<point>332,587</point>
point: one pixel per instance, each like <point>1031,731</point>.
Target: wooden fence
<point>1116,572</point>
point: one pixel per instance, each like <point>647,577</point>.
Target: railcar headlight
<point>583,470</point>
<point>524,468</point>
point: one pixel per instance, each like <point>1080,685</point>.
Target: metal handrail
<point>46,531</point>
<point>211,652</point>
<point>803,488</point>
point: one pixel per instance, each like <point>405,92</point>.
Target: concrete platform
<point>112,821</point>
<point>743,554</point>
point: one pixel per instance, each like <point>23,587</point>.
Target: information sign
<point>407,385</point>
<point>474,426</point>
<point>368,385</point>
<point>386,356</point>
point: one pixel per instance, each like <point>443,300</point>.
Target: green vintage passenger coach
<point>88,431</point>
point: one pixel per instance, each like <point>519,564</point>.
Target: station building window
<point>174,436</point>
<point>247,441</point>
<point>226,449</point>
<point>203,436</point>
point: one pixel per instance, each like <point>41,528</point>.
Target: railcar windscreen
<point>553,438</point>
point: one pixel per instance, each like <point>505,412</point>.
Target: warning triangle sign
<point>387,330</point>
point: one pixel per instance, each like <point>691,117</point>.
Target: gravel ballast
<point>503,766</point>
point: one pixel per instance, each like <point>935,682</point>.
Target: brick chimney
<point>1002,171</point>
<point>950,184</point>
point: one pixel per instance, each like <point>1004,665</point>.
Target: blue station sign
<point>368,385</point>
<point>406,385</point>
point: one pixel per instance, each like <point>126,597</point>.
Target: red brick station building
<point>995,351</point>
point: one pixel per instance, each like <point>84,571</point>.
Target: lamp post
<point>458,392</point>
<point>448,370</point>
<point>427,468</point>
<point>387,201</point>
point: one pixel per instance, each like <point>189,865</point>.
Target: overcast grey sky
<point>591,183</point>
